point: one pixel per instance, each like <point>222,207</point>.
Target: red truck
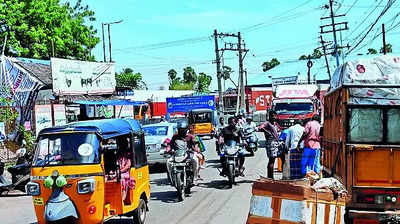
<point>297,102</point>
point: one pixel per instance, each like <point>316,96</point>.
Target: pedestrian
<point>272,143</point>
<point>218,129</point>
<point>294,155</point>
<point>311,154</point>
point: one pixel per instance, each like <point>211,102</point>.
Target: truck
<point>296,102</point>
<point>361,140</point>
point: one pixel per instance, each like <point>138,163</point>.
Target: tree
<point>204,82</point>
<point>226,74</point>
<point>189,75</point>
<point>172,74</point>
<point>270,64</point>
<point>372,51</point>
<point>127,78</point>
<point>388,49</point>
<point>315,55</point>
<point>37,28</point>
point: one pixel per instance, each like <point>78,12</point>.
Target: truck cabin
<point>289,110</point>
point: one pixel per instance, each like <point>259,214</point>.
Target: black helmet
<point>182,127</point>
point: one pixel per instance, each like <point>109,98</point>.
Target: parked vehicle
<point>76,173</point>
<point>201,122</point>
<point>156,137</point>
<point>20,174</point>
<point>361,138</point>
<point>180,172</point>
<point>250,139</point>
<point>296,102</point>
<point>230,161</point>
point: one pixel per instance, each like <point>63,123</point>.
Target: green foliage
<point>189,75</point>
<point>388,49</point>
<point>190,80</point>
<point>372,51</point>
<point>127,78</point>
<point>315,55</point>
<point>270,64</point>
<point>33,27</point>
<point>204,82</point>
<point>28,137</point>
<point>226,72</point>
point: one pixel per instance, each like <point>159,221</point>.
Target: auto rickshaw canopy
<point>105,128</point>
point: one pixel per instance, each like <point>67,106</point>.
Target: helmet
<point>182,127</point>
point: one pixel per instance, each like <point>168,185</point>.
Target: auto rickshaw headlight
<point>33,188</point>
<point>61,181</point>
<point>86,186</point>
<point>48,182</point>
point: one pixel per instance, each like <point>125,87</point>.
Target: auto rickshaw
<point>77,173</point>
<point>201,122</point>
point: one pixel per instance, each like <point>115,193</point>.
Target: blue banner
<point>186,104</point>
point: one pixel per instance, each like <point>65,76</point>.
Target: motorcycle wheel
<point>140,214</point>
<point>231,176</point>
<point>179,187</point>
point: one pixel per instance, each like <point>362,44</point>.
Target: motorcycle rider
<point>232,133</point>
<point>220,126</point>
<point>184,137</point>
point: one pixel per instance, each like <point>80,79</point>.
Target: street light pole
<point>109,38</point>
<point>104,42</point>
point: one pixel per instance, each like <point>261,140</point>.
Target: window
<point>290,108</point>
<point>393,127</point>
<point>139,151</point>
<point>365,125</point>
<point>67,149</point>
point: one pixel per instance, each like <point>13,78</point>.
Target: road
<point>210,202</point>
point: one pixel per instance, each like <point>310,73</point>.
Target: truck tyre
<point>139,216</point>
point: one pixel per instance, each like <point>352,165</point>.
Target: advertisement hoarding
<point>82,77</point>
<point>124,111</point>
<point>42,117</point>
<point>59,115</point>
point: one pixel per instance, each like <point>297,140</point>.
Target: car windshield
<point>155,130</point>
<point>293,108</point>
<point>67,149</point>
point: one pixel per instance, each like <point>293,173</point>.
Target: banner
<point>82,77</point>
<point>59,115</point>
<point>42,117</point>
<point>124,111</point>
<point>185,104</point>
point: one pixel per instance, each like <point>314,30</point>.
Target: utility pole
<point>326,58</point>
<point>241,48</point>
<point>109,38</point>
<point>336,27</point>
<point>334,32</point>
<point>384,38</point>
<point>219,76</point>
<point>104,43</point>
<point>109,42</point>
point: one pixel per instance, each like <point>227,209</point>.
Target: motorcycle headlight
<point>232,150</point>
<point>179,159</point>
<point>32,188</point>
<point>86,186</point>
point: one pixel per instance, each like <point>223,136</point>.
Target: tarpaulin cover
<point>107,128</point>
<point>383,70</point>
<point>110,102</point>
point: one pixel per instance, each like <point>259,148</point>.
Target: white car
<point>155,136</point>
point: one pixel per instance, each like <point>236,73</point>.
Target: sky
<point>156,36</point>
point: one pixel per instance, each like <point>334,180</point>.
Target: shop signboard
<point>42,117</point>
<point>82,77</point>
<point>59,115</point>
<point>122,111</point>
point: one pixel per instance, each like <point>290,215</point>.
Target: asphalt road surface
<point>210,202</point>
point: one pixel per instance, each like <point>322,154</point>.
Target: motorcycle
<point>250,138</point>
<point>231,161</point>
<point>20,174</point>
<point>181,172</point>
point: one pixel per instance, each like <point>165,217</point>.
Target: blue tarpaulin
<point>186,104</point>
<point>110,102</point>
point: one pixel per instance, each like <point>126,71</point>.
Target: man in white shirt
<point>294,156</point>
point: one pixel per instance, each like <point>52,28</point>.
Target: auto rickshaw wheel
<point>139,216</point>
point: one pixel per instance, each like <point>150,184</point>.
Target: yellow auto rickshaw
<point>201,122</point>
<point>89,172</point>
